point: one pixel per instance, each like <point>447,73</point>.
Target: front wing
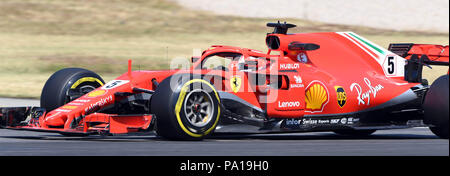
<point>31,118</point>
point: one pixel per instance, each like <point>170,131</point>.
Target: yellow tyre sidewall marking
<point>180,101</point>
<point>86,79</point>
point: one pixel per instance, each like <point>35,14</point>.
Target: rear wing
<point>418,55</point>
<point>435,53</point>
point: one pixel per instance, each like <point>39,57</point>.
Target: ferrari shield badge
<point>235,83</point>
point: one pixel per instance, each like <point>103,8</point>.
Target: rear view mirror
<point>303,46</point>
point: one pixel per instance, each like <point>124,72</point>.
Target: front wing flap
<point>32,119</point>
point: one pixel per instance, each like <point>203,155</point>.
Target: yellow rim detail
<point>179,104</point>
<point>86,79</point>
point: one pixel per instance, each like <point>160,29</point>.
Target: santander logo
<point>364,97</point>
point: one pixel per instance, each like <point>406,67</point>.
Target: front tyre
<point>68,84</point>
<point>187,110</point>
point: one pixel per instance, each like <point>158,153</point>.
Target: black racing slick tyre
<point>185,109</point>
<point>355,132</point>
<point>66,85</point>
<point>435,107</point>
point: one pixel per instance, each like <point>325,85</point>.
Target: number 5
<point>391,65</point>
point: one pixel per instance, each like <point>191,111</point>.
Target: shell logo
<point>316,97</point>
<point>96,93</point>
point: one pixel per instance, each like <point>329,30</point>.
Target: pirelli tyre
<point>185,108</point>
<point>435,107</point>
<point>68,84</point>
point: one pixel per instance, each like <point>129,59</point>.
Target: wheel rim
<point>86,89</point>
<point>76,93</point>
<point>199,108</point>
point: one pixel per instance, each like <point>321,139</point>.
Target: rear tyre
<point>66,85</point>
<point>441,131</point>
<point>187,110</point>
<point>435,107</point>
<point>355,132</point>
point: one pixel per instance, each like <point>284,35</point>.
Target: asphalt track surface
<point>400,142</point>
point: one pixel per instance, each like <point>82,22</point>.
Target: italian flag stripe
<point>362,46</point>
<point>367,43</point>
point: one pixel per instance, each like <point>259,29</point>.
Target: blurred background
<point>39,37</point>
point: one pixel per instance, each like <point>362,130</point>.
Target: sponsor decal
<point>334,121</point>
<point>299,123</point>
<point>114,84</point>
<point>98,104</point>
<point>323,121</point>
<point>75,104</point>
<point>309,122</point>
<point>347,120</point>
<point>350,120</point>
<point>297,85</point>
<point>316,97</point>
<point>235,83</point>
<point>293,104</point>
<point>298,81</point>
<point>82,100</point>
<point>62,110</point>
<point>96,93</point>
<point>341,96</point>
<point>289,66</point>
<point>293,122</point>
<point>69,107</point>
<point>364,97</point>
<point>344,120</point>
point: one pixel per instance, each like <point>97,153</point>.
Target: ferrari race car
<point>305,82</point>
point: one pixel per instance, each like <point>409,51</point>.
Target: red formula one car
<point>335,81</point>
